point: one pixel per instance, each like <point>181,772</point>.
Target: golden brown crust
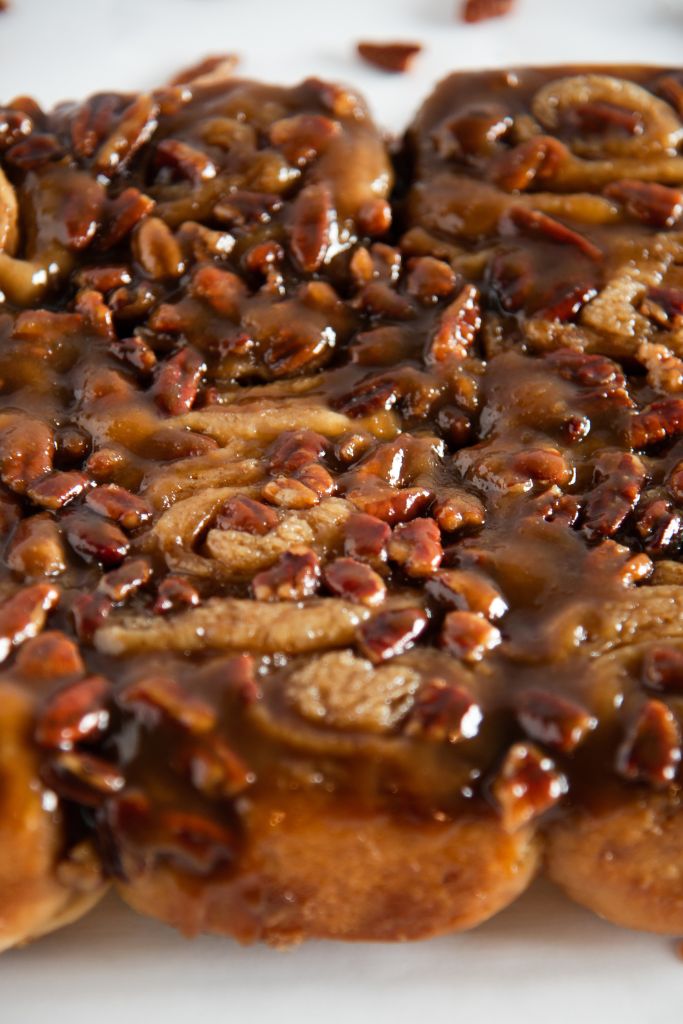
<point>322,871</point>
<point>625,863</point>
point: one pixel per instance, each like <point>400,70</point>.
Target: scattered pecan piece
<point>156,697</point>
<point>656,205</point>
<point>416,547</point>
<point>295,575</point>
<point>430,279</point>
<point>51,655</point>
<point>223,63</point>
<point>128,510</point>
<point>481,10</point>
<point>354,581</point>
<point>651,750</point>
<point>178,381</point>
<point>552,720</point>
<point>459,511</point>
<point>82,777</point>
<point>442,712</point>
<point>174,595</point>
<point>662,670</point>
<point>23,615</point>
<point>96,540</point>
<point>26,450</point>
<point>658,525</point>
<point>391,633</point>
<point>75,713</point>
<point>394,57</point>
<point>567,304</point>
<point>467,590</point>
<point>527,784</point>
<point>391,504</point>
<point>468,636</point>
<point>122,214</point>
<point>294,450</point>
<point>187,160</point>
<point>457,328</point>
<point>135,127</point>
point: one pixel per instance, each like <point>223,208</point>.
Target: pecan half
<point>36,548</point>
<point>619,477</point>
<point>51,655</point>
<point>366,538</point>
<point>309,233</point>
<point>535,223</point>
<point>84,778</point>
<point>57,489</point>
<point>467,590</point>
<point>457,328</point>
<point>653,204</point>
<point>127,509</point>
<point>121,583</point>
<point>161,697</point>
<point>174,595</point>
<point>178,381</point>
<point>96,540</point>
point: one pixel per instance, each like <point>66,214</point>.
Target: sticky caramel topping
<point>296,498</point>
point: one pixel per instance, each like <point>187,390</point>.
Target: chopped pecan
<point>459,510</point>
<point>654,204</point>
<point>391,504</point>
<point>457,328</point>
<point>527,784</point>
<point>651,750</point>
<point>128,510</point>
<point>178,381</point>
<point>247,516</point>
<point>658,422</point>
<point>533,222</point>
<point>89,612</point>
<point>121,583</point>
<point>468,636</point>
<point>287,492</point>
<point>455,426</point>
<point>217,771</point>
<point>303,137</point>
<point>36,548</point>
<point>189,161</point>
<point>57,488</point>
<point>309,234</point>
<point>664,306</point>
<point>354,581</point>
<point>443,711</point>
<point>430,279</point>
<point>175,594</point>
<point>534,160</point>
<point>467,590</point>
<point>207,68</point>
<point>416,547</point>
<point>394,57</point>
<point>366,538</point>
<point>662,670</point>
<point>480,10</point>
<point>23,615</point>
<point>122,214</point>
<point>391,633</point>
<point>82,777</point>
<point>295,449</point>
<point>566,304</point>
<point>552,720</point>
<point>96,540</point>
<point>658,525</point>
<point>51,655</point>
<point>136,126</point>
<point>34,152</point>
<point>75,713</point>
<point>619,478</point>
<point>161,697</point>
<point>136,352</point>
<point>295,575</point>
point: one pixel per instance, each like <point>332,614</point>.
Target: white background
<point>543,961</point>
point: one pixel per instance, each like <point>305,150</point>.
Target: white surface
<point>543,961</point>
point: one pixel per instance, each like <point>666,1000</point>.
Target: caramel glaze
<point>480,405</point>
